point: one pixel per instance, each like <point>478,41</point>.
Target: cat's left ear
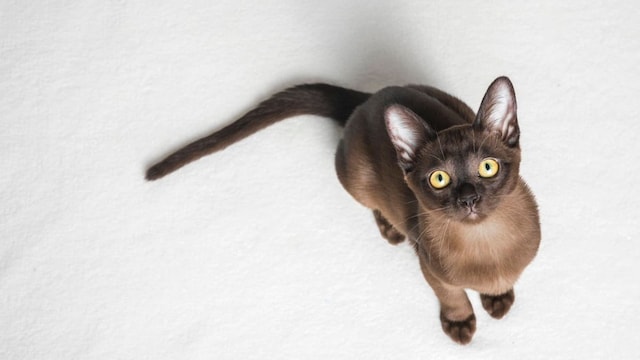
<point>497,112</point>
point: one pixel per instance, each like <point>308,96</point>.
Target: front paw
<point>497,306</point>
<point>459,331</point>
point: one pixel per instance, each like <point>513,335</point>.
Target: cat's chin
<point>472,216</point>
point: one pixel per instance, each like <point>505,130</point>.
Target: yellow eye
<point>488,168</point>
<point>439,179</point>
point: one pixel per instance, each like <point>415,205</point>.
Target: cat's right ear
<point>408,133</point>
<point>498,113</point>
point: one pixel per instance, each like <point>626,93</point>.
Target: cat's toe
<point>459,331</point>
<point>497,306</point>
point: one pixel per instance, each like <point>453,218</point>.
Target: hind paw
<point>387,230</point>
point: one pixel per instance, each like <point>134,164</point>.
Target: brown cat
<point>431,171</point>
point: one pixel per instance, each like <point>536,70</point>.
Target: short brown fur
<point>476,233</point>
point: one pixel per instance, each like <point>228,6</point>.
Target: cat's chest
<point>479,256</point>
<point>482,238</point>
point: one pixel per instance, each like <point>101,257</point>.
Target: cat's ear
<point>497,112</point>
<point>408,133</point>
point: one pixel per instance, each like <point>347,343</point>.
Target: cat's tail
<point>316,99</point>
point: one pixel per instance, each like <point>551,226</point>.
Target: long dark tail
<point>317,99</point>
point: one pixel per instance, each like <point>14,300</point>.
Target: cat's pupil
<point>487,167</point>
<point>440,178</point>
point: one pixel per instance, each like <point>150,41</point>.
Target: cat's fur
<point>478,233</point>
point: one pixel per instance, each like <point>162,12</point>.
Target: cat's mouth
<point>471,213</point>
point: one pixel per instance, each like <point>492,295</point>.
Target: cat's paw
<point>459,331</point>
<point>498,306</point>
<point>387,230</point>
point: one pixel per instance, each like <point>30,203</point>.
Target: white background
<point>257,252</point>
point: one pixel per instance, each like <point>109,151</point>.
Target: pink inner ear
<point>498,110</point>
<point>403,131</point>
<point>501,115</point>
<point>509,126</point>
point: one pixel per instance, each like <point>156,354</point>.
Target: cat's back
<point>365,135</point>
<point>439,109</point>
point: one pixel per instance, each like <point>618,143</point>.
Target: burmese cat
<point>433,172</point>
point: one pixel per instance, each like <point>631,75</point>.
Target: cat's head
<point>462,172</point>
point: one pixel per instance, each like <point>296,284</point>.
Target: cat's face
<point>464,173</point>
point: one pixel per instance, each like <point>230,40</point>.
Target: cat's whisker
<point>473,140</point>
<point>439,243</point>
<point>440,145</point>
<point>436,157</point>
<point>486,136</point>
<point>423,213</point>
<point>422,233</point>
<point>444,236</point>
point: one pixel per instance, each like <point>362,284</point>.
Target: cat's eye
<point>488,168</point>
<point>439,179</point>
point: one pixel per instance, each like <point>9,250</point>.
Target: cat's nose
<point>467,195</point>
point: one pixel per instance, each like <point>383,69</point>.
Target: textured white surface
<point>257,252</point>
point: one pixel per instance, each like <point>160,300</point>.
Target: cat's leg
<point>387,230</point>
<point>456,314</point>
<point>498,305</point>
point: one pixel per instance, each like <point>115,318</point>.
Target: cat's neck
<point>487,255</point>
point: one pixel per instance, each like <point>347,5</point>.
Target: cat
<point>432,171</point>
